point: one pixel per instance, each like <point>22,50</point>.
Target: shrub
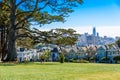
<point>92,58</point>
<point>71,60</point>
<point>104,59</point>
<point>61,58</point>
<point>116,58</point>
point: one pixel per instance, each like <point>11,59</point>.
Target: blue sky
<point>103,14</point>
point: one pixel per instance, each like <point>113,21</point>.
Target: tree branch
<point>30,15</point>
<point>22,1</point>
<point>1,4</point>
<point>24,35</point>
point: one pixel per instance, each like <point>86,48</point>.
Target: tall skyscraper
<point>94,31</point>
<point>97,34</point>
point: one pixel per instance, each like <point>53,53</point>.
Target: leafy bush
<point>45,56</point>
<point>104,59</point>
<point>92,58</point>
<point>71,60</point>
<point>61,58</point>
<point>116,58</point>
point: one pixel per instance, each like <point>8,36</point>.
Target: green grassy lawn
<point>57,71</point>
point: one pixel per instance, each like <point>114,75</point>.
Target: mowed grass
<point>58,71</point>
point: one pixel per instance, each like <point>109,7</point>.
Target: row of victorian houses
<point>98,54</point>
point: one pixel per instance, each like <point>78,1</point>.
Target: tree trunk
<point>3,42</point>
<point>0,42</point>
<point>12,54</point>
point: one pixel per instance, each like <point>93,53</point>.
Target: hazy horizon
<point>102,14</point>
<point>103,31</point>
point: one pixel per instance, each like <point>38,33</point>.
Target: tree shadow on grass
<point>29,63</point>
<point>48,63</point>
<point>7,64</point>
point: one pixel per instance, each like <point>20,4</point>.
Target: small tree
<point>41,58</point>
<point>45,56</point>
<point>61,58</point>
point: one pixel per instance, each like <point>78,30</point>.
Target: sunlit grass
<point>58,71</point>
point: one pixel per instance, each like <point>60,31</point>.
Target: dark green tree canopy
<point>20,14</point>
<point>60,37</point>
<point>40,11</point>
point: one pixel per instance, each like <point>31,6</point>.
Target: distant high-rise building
<point>94,31</point>
<point>97,34</point>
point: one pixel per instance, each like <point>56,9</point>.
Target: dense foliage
<point>17,15</point>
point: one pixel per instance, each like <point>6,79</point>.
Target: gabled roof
<point>117,47</point>
<point>54,50</point>
<point>72,50</point>
<point>102,47</point>
<point>93,48</point>
<point>83,49</point>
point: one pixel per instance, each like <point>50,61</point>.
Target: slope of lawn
<point>57,71</point>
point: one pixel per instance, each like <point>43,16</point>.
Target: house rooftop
<point>54,50</point>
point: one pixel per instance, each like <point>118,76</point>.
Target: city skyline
<point>103,31</point>
<point>103,14</point>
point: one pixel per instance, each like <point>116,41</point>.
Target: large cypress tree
<point>23,12</point>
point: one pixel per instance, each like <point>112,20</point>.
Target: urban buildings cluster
<point>89,47</point>
<point>93,39</point>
